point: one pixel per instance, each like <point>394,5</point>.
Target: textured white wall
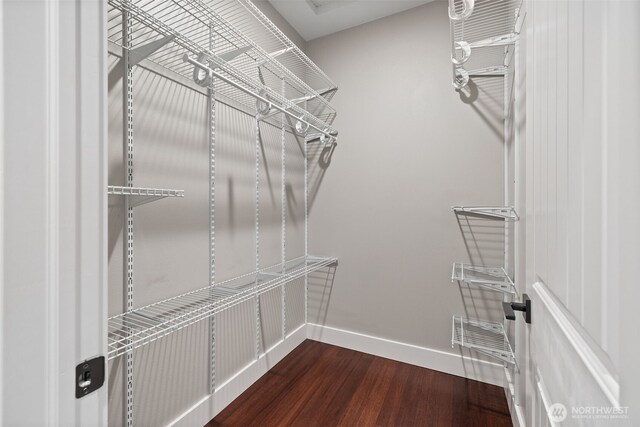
<point>409,148</point>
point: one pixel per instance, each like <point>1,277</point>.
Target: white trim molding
<point>2,212</point>
<point>437,360</point>
<point>601,374</point>
<point>210,406</point>
<point>207,408</point>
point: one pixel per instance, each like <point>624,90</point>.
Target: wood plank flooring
<point>323,385</point>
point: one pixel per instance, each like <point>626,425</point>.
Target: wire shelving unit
<point>233,48</point>
<point>483,33</point>
<point>482,336</point>
<point>506,213</point>
<point>230,52</point>
<point>494,278</point>
<point>485,38</point>
<point>140,195</point>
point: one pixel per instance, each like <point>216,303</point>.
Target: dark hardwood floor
<point>323,385</point>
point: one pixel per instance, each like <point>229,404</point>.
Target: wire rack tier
<point>139,327</point>
<point>141,195</point>
<point>245,52</point>
<point>485,337</point>
<point>483,33</point>
<point>494,278</point>
<point>506,213</point>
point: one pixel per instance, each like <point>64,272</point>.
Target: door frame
<point>53,206</point>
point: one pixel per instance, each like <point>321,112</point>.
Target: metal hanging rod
<point>331,135</point>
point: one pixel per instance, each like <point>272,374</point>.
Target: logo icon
<point>557,412</point>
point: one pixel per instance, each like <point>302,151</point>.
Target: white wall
<point>410,147</point>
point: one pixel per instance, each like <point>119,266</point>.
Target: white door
<point>578,358</point>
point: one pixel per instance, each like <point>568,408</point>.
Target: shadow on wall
<point>484,241</point>
<point>319,161</point>
<point>319,293</point>
<point>485,96</point>
<point>168,376</point>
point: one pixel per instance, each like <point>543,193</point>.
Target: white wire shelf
<point>494,278</point>
<point>235,40</point>
<point>506,213</point>
<point>483,34</point>
<point>139,327</point>
<point>140,195</point>
<point>484,337</point>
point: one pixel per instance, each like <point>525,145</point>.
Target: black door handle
<point>510,308</point>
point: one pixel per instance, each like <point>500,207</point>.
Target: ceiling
<point>317,18</point>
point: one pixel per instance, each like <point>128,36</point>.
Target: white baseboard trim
<point>517,416</point>
<point>207,408</point>
<point>437,360</point>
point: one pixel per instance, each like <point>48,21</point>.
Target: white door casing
<point>53,209</point>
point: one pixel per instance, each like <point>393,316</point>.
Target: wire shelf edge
<point>493,278</point>
<point>482,336</point>
<point>128,331</point>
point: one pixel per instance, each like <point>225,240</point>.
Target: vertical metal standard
<point>257,213</point>
<point>212,216</point>
<point>306,230</point>
<point>506,141</point>
<point>127,93</point>
<point>283,203</point>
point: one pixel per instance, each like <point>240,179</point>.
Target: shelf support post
<point>306,229</point>
<point>127,95</point>
<point>212,216</point>
<point>257,237</point>
<point>283,203</point>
